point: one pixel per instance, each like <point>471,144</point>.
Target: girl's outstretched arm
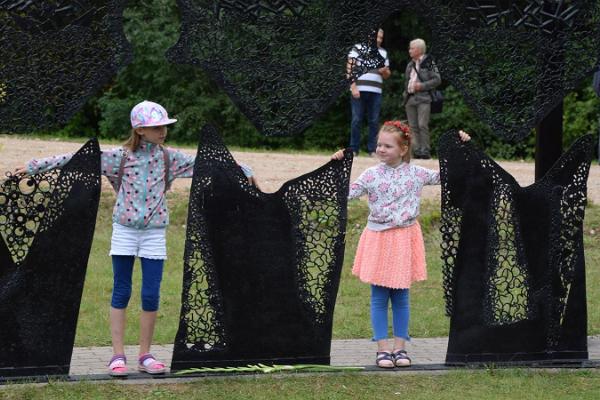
<point>358,187</point>
<point>338,155</point>
<point>110,160</point>
<point>432,177</point>
<point>36,166</point>
<point>21,169</point>
<point>252,180</point>
<point>182,166</point>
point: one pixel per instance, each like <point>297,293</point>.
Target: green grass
<point>591,243</point>
<point>93,328</point>
<point>456,385</point>
<point>351,319</point>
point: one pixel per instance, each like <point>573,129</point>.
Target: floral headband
<point>399,125</point>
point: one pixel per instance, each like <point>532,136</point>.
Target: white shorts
<point>147,243</point>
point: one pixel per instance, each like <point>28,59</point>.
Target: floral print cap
<point>148,113</point>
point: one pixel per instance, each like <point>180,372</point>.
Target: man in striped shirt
<point>366,96</point>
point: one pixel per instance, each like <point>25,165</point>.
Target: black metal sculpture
<point>261,270</point>
<point>55,55</point>
<point>46,228</point>
<point>514,61</point>
<point>282,62</point>
<point>514,268</point>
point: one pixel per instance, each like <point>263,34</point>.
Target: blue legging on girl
<point>152,271</point>
<point>380,297</point>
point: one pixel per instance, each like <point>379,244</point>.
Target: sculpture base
<point>47,370</point>
<point>545,358</point>
<point>182,365</point>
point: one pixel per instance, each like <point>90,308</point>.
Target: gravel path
<point>271,168</point>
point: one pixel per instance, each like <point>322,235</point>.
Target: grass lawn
<point>351,318</point>
<point>351,321</point>
<point>459,385</point>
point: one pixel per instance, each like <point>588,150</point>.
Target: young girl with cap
<point>140,172</point>
<point>391,254</point>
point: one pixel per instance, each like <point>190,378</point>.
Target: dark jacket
<point>429,78</point>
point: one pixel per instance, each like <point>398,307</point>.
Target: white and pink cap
<point>148,113</point>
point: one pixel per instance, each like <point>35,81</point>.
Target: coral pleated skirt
<point>393,258</point>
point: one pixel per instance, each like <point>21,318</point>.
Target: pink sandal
<point>149,364</point>
<point>117,366</point>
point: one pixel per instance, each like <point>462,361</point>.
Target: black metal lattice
<point>261,270</point>
<point>41,282</point>
<point>514,61</point>
<point>282,62</point>
<point>548,16</point>
<point>263,7</point>
<point>514,270</point>
<point>55,55</point>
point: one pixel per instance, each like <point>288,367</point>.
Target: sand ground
<point>271,168</point>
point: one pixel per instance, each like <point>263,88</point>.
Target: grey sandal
<point>384,359</point>
<point>401,359</point>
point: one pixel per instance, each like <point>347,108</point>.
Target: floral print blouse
<point>394,193</point>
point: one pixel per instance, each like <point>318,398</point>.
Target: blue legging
<point>152,271</point>
<point>400,298</point>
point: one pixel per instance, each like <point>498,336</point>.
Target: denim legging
<point>400,299</point>
<point>152,271</point>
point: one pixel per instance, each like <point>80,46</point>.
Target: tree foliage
<point>152,26</point>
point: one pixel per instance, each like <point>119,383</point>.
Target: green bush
<point>152,26</point>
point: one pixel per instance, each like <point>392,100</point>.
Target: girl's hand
<point>338,155</point>
<point>252,180</point>
<point>464,136</point>
<point>21,169</point>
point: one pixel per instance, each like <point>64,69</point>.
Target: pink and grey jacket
<point>141,198</point>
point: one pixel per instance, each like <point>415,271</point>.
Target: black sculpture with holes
<point>46,226</point>
<point>283,63</point>
<point>57,54</point>
<point>514,268</point>
<point>261,270</point>
<point>513,61</point>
